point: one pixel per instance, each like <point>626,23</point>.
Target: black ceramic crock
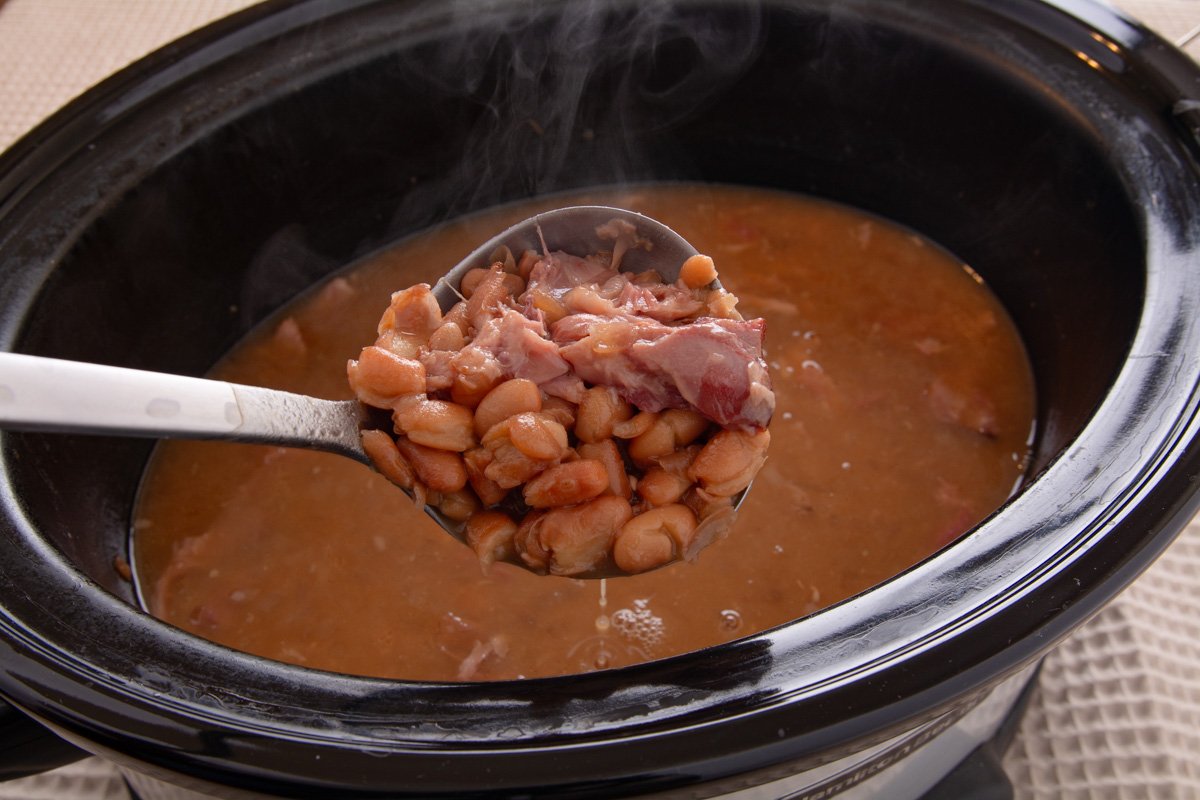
<point>158,217</point>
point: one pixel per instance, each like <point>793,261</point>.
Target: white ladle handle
<point>46,394</point>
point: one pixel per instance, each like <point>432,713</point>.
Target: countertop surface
<point>1117,711</point>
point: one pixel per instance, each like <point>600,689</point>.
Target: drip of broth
<point>905,406</point>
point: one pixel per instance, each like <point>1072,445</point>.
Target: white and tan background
<point>1117,713</point>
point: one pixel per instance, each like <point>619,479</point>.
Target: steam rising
<point>513,99</point>
<point>578,93</point>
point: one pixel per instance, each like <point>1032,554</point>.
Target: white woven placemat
<point>1117,713</point>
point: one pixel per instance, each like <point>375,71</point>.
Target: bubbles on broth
<point>639,624</point>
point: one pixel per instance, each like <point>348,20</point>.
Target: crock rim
<point>1144,518</point>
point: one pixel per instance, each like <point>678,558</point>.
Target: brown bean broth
<point>886,353</point>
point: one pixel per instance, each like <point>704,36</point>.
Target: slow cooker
<point>1050,145</point>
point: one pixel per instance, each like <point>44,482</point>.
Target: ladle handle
<point>46,394</point>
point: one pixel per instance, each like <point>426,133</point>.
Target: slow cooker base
<point>954,757</point>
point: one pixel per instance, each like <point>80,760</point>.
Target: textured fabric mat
<point>1117,712</point>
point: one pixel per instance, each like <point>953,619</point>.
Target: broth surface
<point>904,408</point>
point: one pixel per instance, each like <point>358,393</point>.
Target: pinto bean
<point>526,263</point>
<point>458,506</point>
<point>400,344</point>
<point>471,386</point>
<point>537,436</point>
<point>384,454</point>
<point>552,310</point>
<point>716,515</point>
<point>476,461</point>
<point>528,545</point>
<point>487,298</point>
<point>510,283</point>
<point>687,425</point>
<point>472,281</point>
<point>413,312</point>
<point>458,315</point>
<point>660,487</point>
<point>606,453</point>
<point>513,284</point>
<point>440,470</point>
<point>437,423</point>
<point>448,337</point>
<point>729,461</point>
<point>678,462</point>
<point>510,467</point>
<point>658,441</point>
<point>506,399</point>
<point>567,484</point>
<point>640,551</point>
<point>705,505</point>
<point>677,520</point>
<point>578,539</point>
<point>380,376</point>
<point>654,538</point>
<point>503,256</point>
<point>698,270</point>
<point>600,409</point>
<point>635,426</point>
<point>490,534</point>
<point>561,411</point>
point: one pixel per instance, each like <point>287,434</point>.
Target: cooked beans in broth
<point>904,409</point>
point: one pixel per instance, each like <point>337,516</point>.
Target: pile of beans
<point>568,488</point>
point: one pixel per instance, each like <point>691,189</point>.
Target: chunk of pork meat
<point>663,302</point>
<point>566,387</point>
<point>600,349</point>
<point>620,331</point>
<point>520,345</point>
<point>712,365</point>
<point>439,369</point>
<point>718,368</point>
<point>562,272</point>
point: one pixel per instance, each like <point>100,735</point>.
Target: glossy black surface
<point>156,219</point>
